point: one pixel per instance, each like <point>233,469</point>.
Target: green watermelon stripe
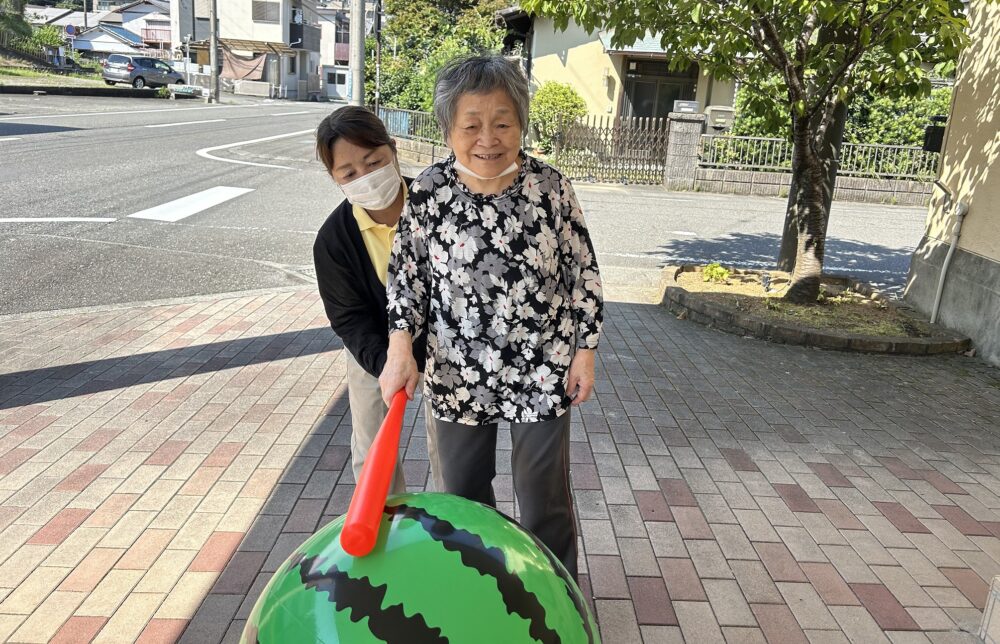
<point>488,562</point>
<point>365,600</point>
<point>435,583</point>
<point>575,597</point>
<point>578,622</point>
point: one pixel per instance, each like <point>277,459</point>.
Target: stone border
<point>731,320</point>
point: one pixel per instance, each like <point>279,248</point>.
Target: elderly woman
<point>493,263</point>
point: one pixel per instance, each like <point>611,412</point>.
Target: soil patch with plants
<point>840,307</point>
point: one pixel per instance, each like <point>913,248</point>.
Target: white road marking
<point>25,117</point>
<point>191,204</point>
<point>686,233</point>
<point>187,123</point>
<point>10,138</point>
<point>34,220</point>
<point>207,152</point>
<point>292,113</point>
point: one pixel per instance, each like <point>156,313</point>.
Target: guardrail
<point>410,124</point>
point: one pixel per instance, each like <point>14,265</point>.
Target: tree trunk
<point>814,173</point>
<point>790,234</point>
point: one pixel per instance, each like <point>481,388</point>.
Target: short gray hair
<point>479,75</point>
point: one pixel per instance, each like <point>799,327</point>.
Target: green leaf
<point>696,13</point>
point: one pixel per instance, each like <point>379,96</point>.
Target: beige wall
<point>971,161</point>
<point>576,57</point>
<point>236,21</point>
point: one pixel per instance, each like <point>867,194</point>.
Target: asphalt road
<point>254,195</point>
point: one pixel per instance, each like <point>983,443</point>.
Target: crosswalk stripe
<point>191,205</point>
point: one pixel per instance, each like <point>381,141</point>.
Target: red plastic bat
<point>360,531</point>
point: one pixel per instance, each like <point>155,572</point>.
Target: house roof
<point>38,15</point>
<point>118,33</point>
<point>649,44</point>
<point>75,18</point>
<point>159,5</point>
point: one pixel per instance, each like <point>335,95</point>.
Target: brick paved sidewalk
<point>158,462</point>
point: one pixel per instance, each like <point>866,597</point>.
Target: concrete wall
<point>970,168</point>
<point>576,57</point>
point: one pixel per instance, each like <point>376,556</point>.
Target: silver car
<point>139,71</point>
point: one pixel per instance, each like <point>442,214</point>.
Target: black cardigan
<point>353,296</point>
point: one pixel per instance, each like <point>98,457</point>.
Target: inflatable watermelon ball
<point>444,569</point>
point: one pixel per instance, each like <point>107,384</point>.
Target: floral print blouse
<point>506,287</point>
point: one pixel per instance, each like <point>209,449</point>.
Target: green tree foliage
<point>12,18</point>
<point>46,36</point>
<point>553,104</point>
<point>881,119</point>
<point>426,34</point>
<point>895,121</point>
<point>823,53</point>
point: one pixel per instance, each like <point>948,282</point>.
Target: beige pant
<point>367,413</point>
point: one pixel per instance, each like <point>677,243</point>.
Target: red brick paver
<point>160,461</point>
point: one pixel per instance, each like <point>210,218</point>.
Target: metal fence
<point>856,160</point>
<point>602,148</point>
<point>409,124</point>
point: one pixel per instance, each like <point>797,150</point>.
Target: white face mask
<point>462,168</point>
<point>376,190</point>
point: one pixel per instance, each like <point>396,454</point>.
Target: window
<point>266,11</point>
<point>291,64</point>
<point>343,34</point>
<point>334,78</point>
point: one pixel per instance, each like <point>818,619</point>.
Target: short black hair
<point>358,125</point>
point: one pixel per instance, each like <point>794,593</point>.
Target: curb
<point>731,320</point>
<point>68,90</point>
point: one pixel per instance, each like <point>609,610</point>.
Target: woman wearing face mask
<point>493,259</point>
<point>352,255</point>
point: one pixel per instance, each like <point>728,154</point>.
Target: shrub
<point>552,104</point>
<point>871,119</point>
<point>714,272</point>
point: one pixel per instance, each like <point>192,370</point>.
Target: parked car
<point>139,71</point>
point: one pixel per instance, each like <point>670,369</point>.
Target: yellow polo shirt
<point>378,239</point>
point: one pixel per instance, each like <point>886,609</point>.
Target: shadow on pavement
<point>66,381</point>
<point>20,129</point>
<point>882,266</point>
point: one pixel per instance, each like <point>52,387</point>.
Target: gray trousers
<point>368,410</point>
<point>540,465</point>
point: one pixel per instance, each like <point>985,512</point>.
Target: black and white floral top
<point>505,286</point>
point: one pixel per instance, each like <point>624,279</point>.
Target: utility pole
<point>187,59</point>
<point>85,15</point>
<point>378,52</point>
<point>357,58</point>
<point>214,51</point>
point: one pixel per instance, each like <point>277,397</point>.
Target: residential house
<point>273,42</point>
<point>105,39</point>
<point>632,81</point>
<point>334,58</point>
<point>335,21</point>
<point>149,19</point>
<point>970,170</point>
